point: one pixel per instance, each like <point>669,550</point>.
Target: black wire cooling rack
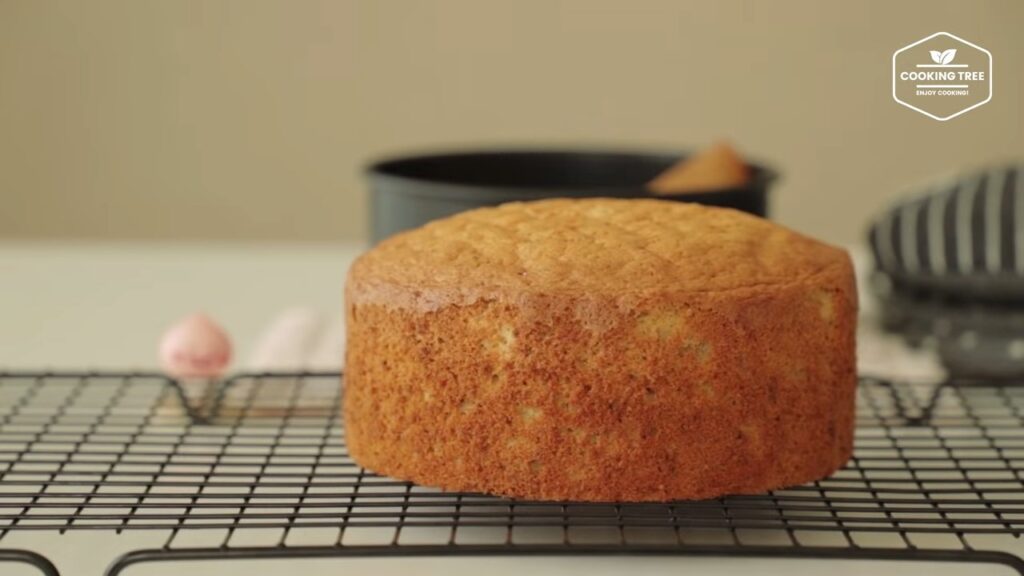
<point>935,476</point>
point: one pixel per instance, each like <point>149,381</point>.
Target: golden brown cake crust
<point>601,349</point>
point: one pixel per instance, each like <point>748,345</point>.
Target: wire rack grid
<point>256,467</point>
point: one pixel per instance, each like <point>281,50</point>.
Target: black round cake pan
<point>409,191</point>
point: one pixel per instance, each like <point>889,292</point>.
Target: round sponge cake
<point>601,350</point>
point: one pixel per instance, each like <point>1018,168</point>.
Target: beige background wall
<point>252,119</point>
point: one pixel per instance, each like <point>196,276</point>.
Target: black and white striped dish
<point>950,272</point>
<point>962,238</point>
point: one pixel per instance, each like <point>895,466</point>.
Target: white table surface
<point>103,306</point>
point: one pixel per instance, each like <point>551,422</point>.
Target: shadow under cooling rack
<point>256,466</point>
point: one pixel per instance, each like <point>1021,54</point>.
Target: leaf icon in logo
<point>936,56</point>
<point>948,56</point>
